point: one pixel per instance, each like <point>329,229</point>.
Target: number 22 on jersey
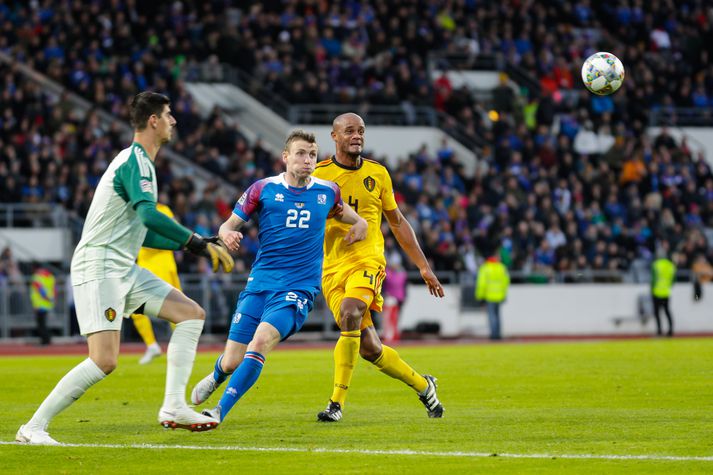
<point>297,219</point>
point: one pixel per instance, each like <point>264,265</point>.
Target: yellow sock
<point>346,353</point>
<point>389,362</point>
<point>144,327</point>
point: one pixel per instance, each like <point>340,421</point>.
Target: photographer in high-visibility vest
<point>492,287</point>
<point>663,275</point>
<point>42,297</point>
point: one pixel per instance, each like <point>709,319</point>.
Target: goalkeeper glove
<point>212,248</point>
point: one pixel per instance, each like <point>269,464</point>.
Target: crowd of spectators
<point>51,154</point>
<point>571,182</point>
<point>552,210</point>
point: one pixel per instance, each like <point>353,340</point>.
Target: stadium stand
<point>572,183</point>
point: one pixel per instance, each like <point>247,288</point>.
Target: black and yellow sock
<point>389,362</point>
<point>346,353</point>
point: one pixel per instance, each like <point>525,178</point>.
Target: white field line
<point>319,450</point>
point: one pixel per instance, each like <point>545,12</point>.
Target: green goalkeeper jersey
<point>113,232</point>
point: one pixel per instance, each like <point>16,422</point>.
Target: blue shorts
<point>286,311</point>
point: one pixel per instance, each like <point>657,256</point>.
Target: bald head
<point>343,119</point>
<point>348,135</point>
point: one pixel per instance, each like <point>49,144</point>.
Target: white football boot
<point>28,435</point>
<point>186,418</point>
<point>202,391</point>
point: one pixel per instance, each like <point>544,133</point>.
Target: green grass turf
<point>635,397</point>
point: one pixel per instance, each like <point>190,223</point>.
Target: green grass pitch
<point>634,406</point>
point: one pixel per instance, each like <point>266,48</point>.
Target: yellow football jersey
<point>369,191</point>
<point>160,262</point>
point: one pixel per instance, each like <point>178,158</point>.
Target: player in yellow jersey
<point>353,275</point>
<point>162,264</point>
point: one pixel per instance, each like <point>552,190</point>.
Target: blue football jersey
<point>292,222</point>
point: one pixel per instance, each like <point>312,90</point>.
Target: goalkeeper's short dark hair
<point>143,106</point>
<point>299,134</point>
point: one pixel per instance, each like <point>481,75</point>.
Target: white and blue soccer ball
<point>603,73</point>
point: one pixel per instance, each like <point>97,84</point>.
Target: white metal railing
<point>681,116</point>
<point>34,215</point>
<point>218,295</point>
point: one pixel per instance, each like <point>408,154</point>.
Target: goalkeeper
<point>108,285</point>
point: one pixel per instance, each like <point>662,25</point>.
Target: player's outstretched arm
<point>229,234</point>
<point>359,225</point>
<point>156,241</point>
<point>160,225</point>
<point>169,229</point>
<point>403,232</point>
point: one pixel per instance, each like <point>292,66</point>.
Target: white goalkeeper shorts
<point>103,304</point>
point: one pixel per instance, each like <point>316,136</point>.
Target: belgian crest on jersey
<point>369,183</point>
<point>110,314</point>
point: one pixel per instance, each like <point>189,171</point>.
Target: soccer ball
<point>602,73</point>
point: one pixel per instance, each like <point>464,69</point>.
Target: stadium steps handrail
<point>681,116</point>
<point>378,115</point>
<point>486,62</point>
<point>255,120</point>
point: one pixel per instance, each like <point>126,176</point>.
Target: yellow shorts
<point>362,283</point>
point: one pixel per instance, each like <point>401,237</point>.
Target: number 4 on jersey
<point>354,204</point>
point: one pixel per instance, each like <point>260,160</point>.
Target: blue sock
<point>242,380</point>
<point>218,374</point>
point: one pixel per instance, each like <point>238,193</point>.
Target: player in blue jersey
<point>292,209</point>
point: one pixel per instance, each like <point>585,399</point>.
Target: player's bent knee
<point>349,324</point>
<point>350,320</point>
<point>229,364</point>
<point>260,343</point>
<point>370,353</point>
<point>107,365</point>
<point>264,341</point>
<point>201,313</point>
<point>197,311</point>
<point>350,314</point>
